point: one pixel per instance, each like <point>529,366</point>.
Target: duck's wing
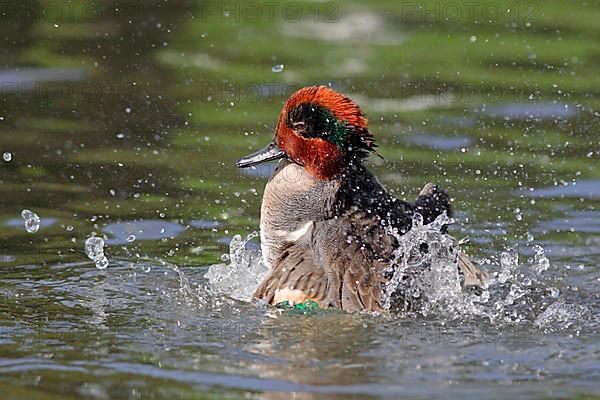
<point>355,251</point>
<point>473,275</point>
<point>356,280</point>
<point>328,265</point>
<point>432,202</point>
<point>295,277</point>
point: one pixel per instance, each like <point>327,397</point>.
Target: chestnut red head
<point>320,129</point>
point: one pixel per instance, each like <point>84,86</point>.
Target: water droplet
<point>94,249</point>
<point>530,237</point>
<point>518,214</point>
<point>101,263</point>
<point>417,220</point>
<point>32,221</point>
<point>541,261</point>
<point>7,156</point>
<point>485,296</point>
<point>251,236</point>
<point>277,68</point>
<point>509,262</point>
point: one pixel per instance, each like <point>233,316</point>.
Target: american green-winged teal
<point>324,217</point>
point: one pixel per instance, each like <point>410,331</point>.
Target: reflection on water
<point>128,124</point>
<point>129,231</point>
<point>439,142</point>
<point>535,111</point>
<point>27,78</point>
<point>580,221</point>
<point>575,189</point>
<point>18,222</point>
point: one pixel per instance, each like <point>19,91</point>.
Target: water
<point>129,124</point>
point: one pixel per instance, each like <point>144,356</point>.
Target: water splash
<point>516,292</point>
<point>189,294</point>
<point>509,262</point>
<point>425,266</point>
<point>425,271</point>
<point>541,262</point>
<point>241,277</point>
<point>561,315</point>
<point>32,221</point>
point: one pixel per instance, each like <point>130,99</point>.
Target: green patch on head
<point>337,131</point>
<point>320,122</point>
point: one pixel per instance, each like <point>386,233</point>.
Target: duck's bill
<point>269,153</point>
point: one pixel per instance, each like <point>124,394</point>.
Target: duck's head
<point>319,129</point>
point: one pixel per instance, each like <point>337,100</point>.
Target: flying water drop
<point>94,248</point>
<point>102,263</point>
<point>417,220</point>
<point>541,262</point>
<point>32,221</point>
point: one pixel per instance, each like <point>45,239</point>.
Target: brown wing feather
<point>353,253</point>
<point>359,280</point>
<point>473,275</point>
<point>295,269</point>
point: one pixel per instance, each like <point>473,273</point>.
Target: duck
<point>325,219</point>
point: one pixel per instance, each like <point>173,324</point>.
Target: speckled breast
<point>292,200</point>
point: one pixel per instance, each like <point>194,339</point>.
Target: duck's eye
<point>299,126</point>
